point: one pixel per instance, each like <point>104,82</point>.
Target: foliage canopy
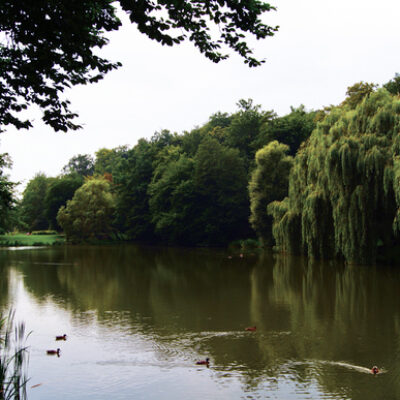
<point>32,204</point>
<point>344,191</point>
<point>89,214</point>
<point>189,189</point>
<point>49,46</point>
<point>59,190</point>
<point>82,165</point>
<point>269,181</point>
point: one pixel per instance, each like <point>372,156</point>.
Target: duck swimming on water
<point>203,362</point>
<point>375,370</point>
<point>63,337</point>
<point>54,352</point>
<point>251,328</point>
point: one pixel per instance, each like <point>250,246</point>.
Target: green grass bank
<point>22,239</point>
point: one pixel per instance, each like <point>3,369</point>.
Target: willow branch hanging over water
<point>344,187</point>
<point>269,181</point>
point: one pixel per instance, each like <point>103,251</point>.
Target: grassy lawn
<point>22,239</point>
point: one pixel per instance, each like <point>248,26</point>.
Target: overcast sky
<point>322,47</point>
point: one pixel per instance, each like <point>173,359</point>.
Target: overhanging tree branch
<point>49,45</point>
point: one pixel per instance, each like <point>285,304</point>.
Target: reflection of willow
<point>332,313</point>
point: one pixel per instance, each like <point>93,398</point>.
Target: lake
<point>138,318</point>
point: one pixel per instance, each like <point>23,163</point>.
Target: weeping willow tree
<point>269,181</point>
<point>344,187</point>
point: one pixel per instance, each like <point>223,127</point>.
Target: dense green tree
<point>244,129</point>
<point>344,192</point>
<point>215,127</point>
<point>14,220</point>
<point>200,200</point>
<point>164,138</point>
<point>219,119</point>
<point>82,164</point>
<point>291,129</point>
<point>269,182</point>
<point>52,45</point>
<point>32,208</point>
<point>7,201</point>
<point>58,192</point>
<point>173,203</point>
<point>356,93</point>
<point>103,161</point>
<point>132,178</point>
<point>90,212</point>
<point>186,189</point>
<point>107,160</point>
<point>190,141</point>
<point>393,86</point>
<point>220,179</point>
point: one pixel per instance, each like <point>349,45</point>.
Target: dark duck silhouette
<point>203,362</point>
<point>251,328</point>
<point>54,352</point>
<point>375,370</point>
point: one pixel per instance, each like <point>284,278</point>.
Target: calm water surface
<point>138,318</point>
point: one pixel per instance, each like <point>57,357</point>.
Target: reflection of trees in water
<point>136,278</point>
<point>332,312</point>
<point>4,280</point>
<point>199,300</point>
<point>40,269</point>
<point>89,278</point>
<point>207,291</point>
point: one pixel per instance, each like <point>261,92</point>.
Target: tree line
<point>186,189</point>
<point>344,184</point>
<point>321,183</point>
